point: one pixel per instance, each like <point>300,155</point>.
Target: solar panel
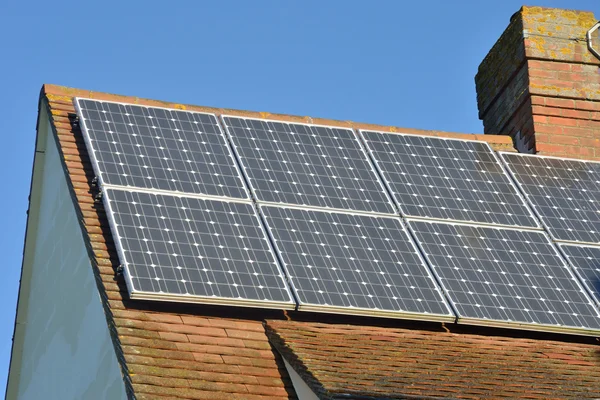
<point>585,260</point>
<point>565,193</point>
<point>354,264</point>
<point>195,250</point>
<point>503,277</point>
<point>447,179</point>
<point>158,148</point>
<point>307,165</point>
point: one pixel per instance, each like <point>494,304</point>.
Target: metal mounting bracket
<point>595,51</point>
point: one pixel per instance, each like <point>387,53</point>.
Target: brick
<point>560,121</point>
<point>587,105</point>
<point>539,110</point>
<point>557,139</point>
<point>575,114</point>
<point>581,132</point>
<point>594,125</point>
<point>542,73</point>
<point>589,142</point>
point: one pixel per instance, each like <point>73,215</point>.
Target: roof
<point>374,361</point>
<point>179,351</point>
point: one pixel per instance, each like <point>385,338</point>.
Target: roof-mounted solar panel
<point>565,193</point>
<point>354,264</point>
<point>307,165</point>
<point>447,179</point>
<point>506,277</point>
<point>585,260</point>
<point>189,249</point>
<point>158,148</point>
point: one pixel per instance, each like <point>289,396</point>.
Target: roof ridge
<point>59,94</point>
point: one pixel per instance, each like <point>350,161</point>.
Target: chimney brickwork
<point>540,84</point>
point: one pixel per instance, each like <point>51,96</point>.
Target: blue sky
<point>409,64</point>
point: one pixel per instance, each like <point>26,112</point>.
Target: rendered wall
<point>66,349</point>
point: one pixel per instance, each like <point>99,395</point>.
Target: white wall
<point>65,351</point>
<point>303,391</point>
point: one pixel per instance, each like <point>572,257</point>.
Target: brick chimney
<point>540,84</point>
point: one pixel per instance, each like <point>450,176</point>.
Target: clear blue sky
<point>399,63</point>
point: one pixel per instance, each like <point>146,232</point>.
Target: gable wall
<point>64,350</point>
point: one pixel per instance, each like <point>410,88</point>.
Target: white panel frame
<point>182,298</point>
<point>533,207</point>
<point>513,324</point>
<point>383,176</point>
<point>96,163</point>
<point>576,269</point>
<point>382,184</point>
<point>450,317</point>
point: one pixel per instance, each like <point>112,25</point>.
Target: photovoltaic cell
<point>215,251</point>
<point>507,276</point>
<point>586,263</point>
<point>565,193</point>
<point>157,148</point>
<point>353,263</point>
<point>307,165</point>
<point>447,179</point>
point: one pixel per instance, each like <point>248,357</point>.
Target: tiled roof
<point>179,351</point>
<point>389,362</point>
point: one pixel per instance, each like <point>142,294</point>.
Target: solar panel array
<point>357,262</point>
<point>307,165</point>
<point>586,263</point>
<point>508,275</point>
<point>216,250</point>
<point>277,214</point>
<point>565,193</point>
<point>448,179</point>
<point>185,226</point>
<point>157,148</point>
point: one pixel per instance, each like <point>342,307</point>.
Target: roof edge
<point>56,92</point>
<point>315,384</point>
<point>48,99</point>
<point>294,361</point>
